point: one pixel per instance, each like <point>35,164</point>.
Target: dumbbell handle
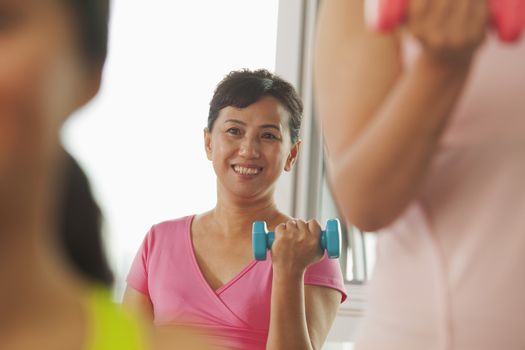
<point>330,239</point>
<point>270,237</point>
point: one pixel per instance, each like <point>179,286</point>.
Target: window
<point>141,140</point>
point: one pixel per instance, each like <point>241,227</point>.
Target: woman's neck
<point>235,217</point>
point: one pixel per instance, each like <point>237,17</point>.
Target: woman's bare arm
<point>381,122</point>
<point>301,316</point>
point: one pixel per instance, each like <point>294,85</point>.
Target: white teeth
<point>246,171</point>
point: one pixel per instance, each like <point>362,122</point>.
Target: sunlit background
<point>141,141</point>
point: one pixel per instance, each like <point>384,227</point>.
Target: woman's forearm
<point>378,173</point>
<point>382,122</point>
<point>288,327</point>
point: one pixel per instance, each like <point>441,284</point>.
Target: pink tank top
<point>450,271</point>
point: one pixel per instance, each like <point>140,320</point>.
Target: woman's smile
<point>247,170</point>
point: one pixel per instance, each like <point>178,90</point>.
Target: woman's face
<point>43,79</point>
<point>250,147</point>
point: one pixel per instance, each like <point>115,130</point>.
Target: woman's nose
<point>249,149</point>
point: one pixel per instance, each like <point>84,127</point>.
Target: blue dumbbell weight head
<point>330,241</point>
<point>259,240</point>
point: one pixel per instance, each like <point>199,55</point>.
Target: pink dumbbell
<point>508,16</point>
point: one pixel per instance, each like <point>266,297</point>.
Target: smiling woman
<point>241,100</point>
<point>199,270</point>
<point>253,151</point>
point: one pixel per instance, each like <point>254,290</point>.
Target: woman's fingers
<point>314,227</point>
<point>297,243</point>
<point>448,28</point>
<point>418,10</point>
<point>303,228</point>
<point>281,228</point>
<point>440,12</point>
<point>459,20</point>
<point>478,12</point>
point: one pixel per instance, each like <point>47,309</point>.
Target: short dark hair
<point>92,17</point>
<point>80,226</point>
<point>244,87</point>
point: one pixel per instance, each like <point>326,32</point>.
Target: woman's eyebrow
<point>271,126</point>
<point>234,121</point>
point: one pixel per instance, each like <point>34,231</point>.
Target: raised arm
<point>301,316</point>
<point>381,122</point>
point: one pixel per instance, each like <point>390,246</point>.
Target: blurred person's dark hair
<point>80,226</point>
<point>80,218</point>
<point>92,22</point>
<point>244,87</point>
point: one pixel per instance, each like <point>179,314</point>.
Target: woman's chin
<point>247,190</point>
<point>248,193</point>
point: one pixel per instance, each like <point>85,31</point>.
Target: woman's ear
<point>207,142</point>
<point>292,156</point>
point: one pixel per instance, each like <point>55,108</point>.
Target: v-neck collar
<point>215,294</point>
<point>225,286</point>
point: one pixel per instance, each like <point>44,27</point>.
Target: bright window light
<point>141,140</point>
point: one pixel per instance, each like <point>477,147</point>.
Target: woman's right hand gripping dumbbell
<point>449,30</point>
<point>296,246</point>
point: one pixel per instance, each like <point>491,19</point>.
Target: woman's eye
<point>234,131</point>
<point>269,136</point>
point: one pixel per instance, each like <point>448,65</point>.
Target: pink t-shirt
<point>236,315</point>
<point>450,272</point>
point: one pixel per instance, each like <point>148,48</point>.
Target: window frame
<point>300,192</point>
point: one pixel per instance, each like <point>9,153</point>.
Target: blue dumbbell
<point>262,240</point>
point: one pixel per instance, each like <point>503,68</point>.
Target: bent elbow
<point>365,204</point>
<point>369,220</point>
<point>368,215</point>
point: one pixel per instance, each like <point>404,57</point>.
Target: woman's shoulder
<point>167,232</point>
<point>172,226</point>
<point>166,235</point>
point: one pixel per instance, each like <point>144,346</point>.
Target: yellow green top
<point>111,327</point>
